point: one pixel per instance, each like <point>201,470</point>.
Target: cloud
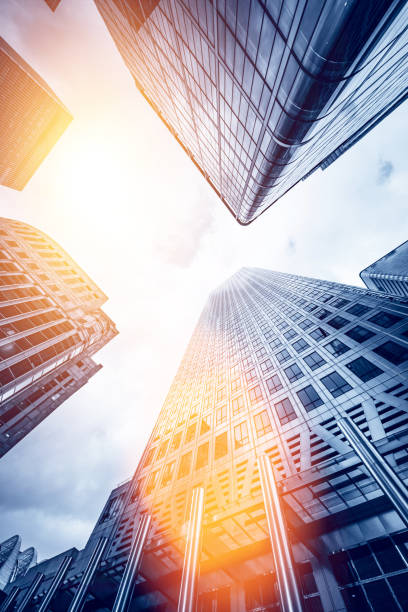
<point>291,246</point>
<point>180,245</point>
<point>385,170</point>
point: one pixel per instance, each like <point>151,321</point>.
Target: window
<point>364,562</point>
<point>168,473</point>
<point>221,415</point>
<point>309,585</point>
<point>255,394</point>
<point>300,345</point>
<point>325,297</point>
<point>261,352</point>
<point>274,384</point>
<point>149,456</point>
<point>285,411</point>
<point>262,423</point>
<point>202,456</point>
<point>266,366</point>
<point>152,481</point>
<point>318,334</point>
<point>305,324</point>
<point>220,395</point>
<point>283,356</point>
<point>358,310</point>
<point>309,398</point>
<point>322,313</point>
<point>275,343</point>
<point>360,334</point>
<point>364,369</point>
<point>293,372</point>
<point>219,600</point>
<point>392,351</point>
<point>336,347</point>
<point>235,372</point>
<point>340,302</point>
<point>241,435</point>
<point>290,334</point>
<point>338,322</point>
<point>335,384</point>
<point>384,319</point>
<point>162,450</point>
<point>343,569</point>
<point>387,555</point>
<point>221,446</point>
<point>251,375</point>
<point>190,432</point>
<point>237,405</point>
<point>185,463</point>
<point>311,307</point>
<point>235,385</point>
<point>314,360</point>
<point>205,426</point>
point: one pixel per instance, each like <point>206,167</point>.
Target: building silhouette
<point>14,563</point>
<point>390,273</point>
<point>51,324</point>
<point>260,95</point>
<point>32,119</point>
<point>277,467</point>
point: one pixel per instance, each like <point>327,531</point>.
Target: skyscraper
<point>261,94</point>
<point>280,452</point>
<point>32,119</point>
<point>389,274</point>
<point>51,324</point>
<point>13,562</point>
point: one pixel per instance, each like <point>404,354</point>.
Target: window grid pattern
<point>50,321</point>
<point>256,95</point>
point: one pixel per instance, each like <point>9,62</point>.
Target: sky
<point>120,195</point>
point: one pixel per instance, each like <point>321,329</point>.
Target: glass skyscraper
<point>51,324</point>
<point>14,563</point>
<point>280,453</point>
<point>32,119</point>
<point>390,273</point>
<point>261,94</point>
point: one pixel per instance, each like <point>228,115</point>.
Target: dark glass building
<point>280,453</point>
<point>14,563</point>
<point>32,119</point>
<point>261,94</point>
<point>51,324</point>
<point>389,274</point>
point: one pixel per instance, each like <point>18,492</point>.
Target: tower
<point>389,274</point>
<point>51,324</point>
<point>261,94</point>
<point>276,471</point>
<point>32,119</point>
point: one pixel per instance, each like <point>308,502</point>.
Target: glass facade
<point>13,562</point>
<point>51,323</point>
<point>267,373</point>
<point>390,273</point>
<point>261,94</point>
<point>32,119</point>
